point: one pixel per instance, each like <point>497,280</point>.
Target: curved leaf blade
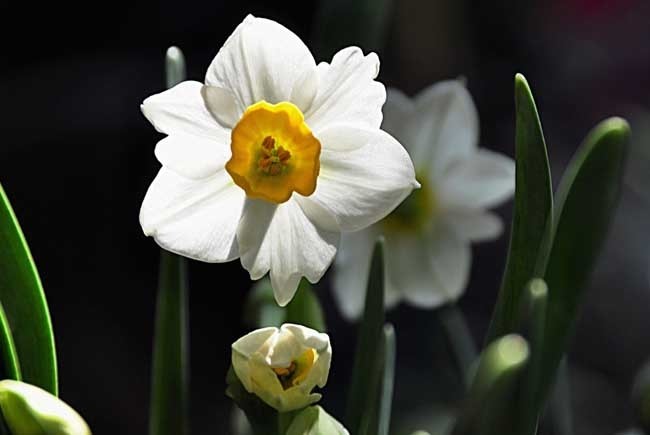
<point>490,404</point>
<point>586,200</point>
<point>9,364</point>
<point>364,390</point>
<point>169,414</point>
<point>169,408</point>
<point>25,305</point>
<point>532,216</point>
<point>388,380</point>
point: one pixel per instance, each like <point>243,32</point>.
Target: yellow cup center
<point>297,370</point>
<point>274,153</point>
<point>414,213</point>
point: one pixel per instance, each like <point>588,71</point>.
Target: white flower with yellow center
<point>427,250</point>
<point>273,157</point>
<point>283,366</point>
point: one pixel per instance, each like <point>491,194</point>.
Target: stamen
<point>273,160</point>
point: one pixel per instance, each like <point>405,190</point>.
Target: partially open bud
<point>283,366</point>
<point>29,410</point>
<point>315,421</point>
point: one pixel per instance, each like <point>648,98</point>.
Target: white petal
<point>192,156</point>
<point>351,273</point>
<point>253,341</point>
<point>445,127</point>
<point>428,270</point>
<point>308,337</point>
<point>254,244</point>
<point>261,60</point>
<point>222,105</point>
<point>305,89</point>
<point>399,113</point>
<point>182,109</point>
<point>347,91</point>
<point>194,218</point>
<point>484,180</point>
<point>451,257</point>
<point>475,226</point>
<point>298,249</point>
<point>361,186</point>
<point>281,238</point>
<point>409,271</point>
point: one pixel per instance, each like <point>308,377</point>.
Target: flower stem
<point>460,339</point>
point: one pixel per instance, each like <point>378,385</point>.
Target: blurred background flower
<point>76,158</point>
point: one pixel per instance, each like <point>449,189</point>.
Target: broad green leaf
<point>25,305</point>
<point>169,411</point>
<point>343,23</point>
<point>388,379</point>
<point>585,203</point>
<point>304,308</point>
<point>170,371</point>
<point>490,403</point>
<point>532,215</point>
<point>368,359</point>
<point>9,365</point>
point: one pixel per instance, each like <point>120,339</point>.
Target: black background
<point>76,157</point>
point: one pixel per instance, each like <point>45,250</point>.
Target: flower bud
<point>29,410</point>
<point>315,421</point>
<point>283,366</point>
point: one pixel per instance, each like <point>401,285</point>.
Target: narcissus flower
<point>283,366</point>
<point>29,410</point>
<point>427,250</point>
<point>273,157</point>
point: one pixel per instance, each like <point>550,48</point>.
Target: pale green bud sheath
<point>29,410</point>
<point>315,421</point>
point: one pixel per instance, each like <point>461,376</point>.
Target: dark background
<point>76,157</point>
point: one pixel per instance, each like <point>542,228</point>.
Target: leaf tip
<point>513,350</point>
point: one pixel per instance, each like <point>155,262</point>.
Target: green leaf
<point>9,365</point>
<point>170,371</point>
<point>262,418</point>
<point>532,215</point>
<point>586,200</point>
<point>343,23</point>
<point>641,397</point>
<point>169,411</point>
<point>368,359</point>
<point>305,309</point>
<point>490,403</point>
<point>25,305</point>
<point>532,324</point>
<point>261,309</point>
<point>174,66</point>
<point>460,339</point>
<point>386,398</point>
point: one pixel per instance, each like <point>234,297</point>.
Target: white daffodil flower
<point>273,157</point>
<point>427,238</point>
<point>29,410</point>
<point>283,366</point>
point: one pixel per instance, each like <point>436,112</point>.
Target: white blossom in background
<point>427,238</point>
<point>273,157</point>
<point>282,366</point>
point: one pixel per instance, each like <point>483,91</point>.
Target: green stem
<point>560,402</point>
<point>460,339</point>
